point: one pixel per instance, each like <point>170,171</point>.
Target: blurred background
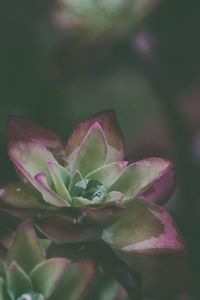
<point>62,61</point>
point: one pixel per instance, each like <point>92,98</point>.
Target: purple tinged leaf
<point>18,282</point>
<point>30,158</point>
<point>107,174</point>
<point>103,216</point>
<point>46,275</point>
<point>140,176</point>
<point>62,229</point>
<point>76,281</point>
<point>48,194</point>
<point>91,154</point>
<point>107,121</point>
<point>25,248</point>
<point>19,195</point>
<point>145,229</point>
<point>22,129</point>
<point>162,188</point>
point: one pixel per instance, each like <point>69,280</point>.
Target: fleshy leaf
<point>2,289</point>
<point>91,153</point>
<point>108,122</point>
<point>145,229</point>
<point>103,216</point>
<point>22,129</point>
<point>18,195</point>
<point>162,188</point>
<point>108,173</point>
<point>80,202</point>
<point>61,178</point>
<point>30,158</point>
<point>48,194</point>
<point>46,275</point>
<point>76,281</point>
<point>25,249</point>
<point>74,179</point>
<point>18,282</point>
<point>115,197</point>
<point>138,177</point>
<point>62,229</point>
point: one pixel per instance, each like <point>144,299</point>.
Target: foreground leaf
<point>145,229</point>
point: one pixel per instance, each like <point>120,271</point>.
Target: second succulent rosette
<point>85,190</point>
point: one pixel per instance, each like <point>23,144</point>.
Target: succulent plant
<point>86,191</point>
<point>27,275</point>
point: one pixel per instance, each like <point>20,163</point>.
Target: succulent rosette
<point>26,274</point>
<point>86,191</point>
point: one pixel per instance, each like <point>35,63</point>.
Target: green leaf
<point>48,194</point>
<point>25,249</point>
<point>46,275</point>
<point>107,174</point>
<point>18,282</point>
<point>139,176</point>
<point>145,229</point>
<point>91,153</point>
<point>107,121</point>
<point>61,178</point>
<point>80,202</point>
<point>76,281</point>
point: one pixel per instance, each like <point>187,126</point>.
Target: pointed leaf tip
<point>107,121</point>
<point>25,249</point>
<point>91,154</point>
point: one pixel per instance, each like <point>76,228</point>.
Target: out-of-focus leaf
<point>76,281</point>
<point>46,275</point>
<point>26,249</point>
<point>18,282</point>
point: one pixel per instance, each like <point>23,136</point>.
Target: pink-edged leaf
<point>30,158</point>
<point>76,282</point>
<point>48,194</point>
<point>141,176</point>
<point>162,188</point>
<point>91,154</point>
<point>46,275</point>
<point>145,229</point>
<point>63,229</point>
<point>25,249</point>
<point>23,129</point>
<point>108,173</point>
<point>113,135</point>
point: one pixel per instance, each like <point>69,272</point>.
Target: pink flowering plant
<point>85,191</point>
